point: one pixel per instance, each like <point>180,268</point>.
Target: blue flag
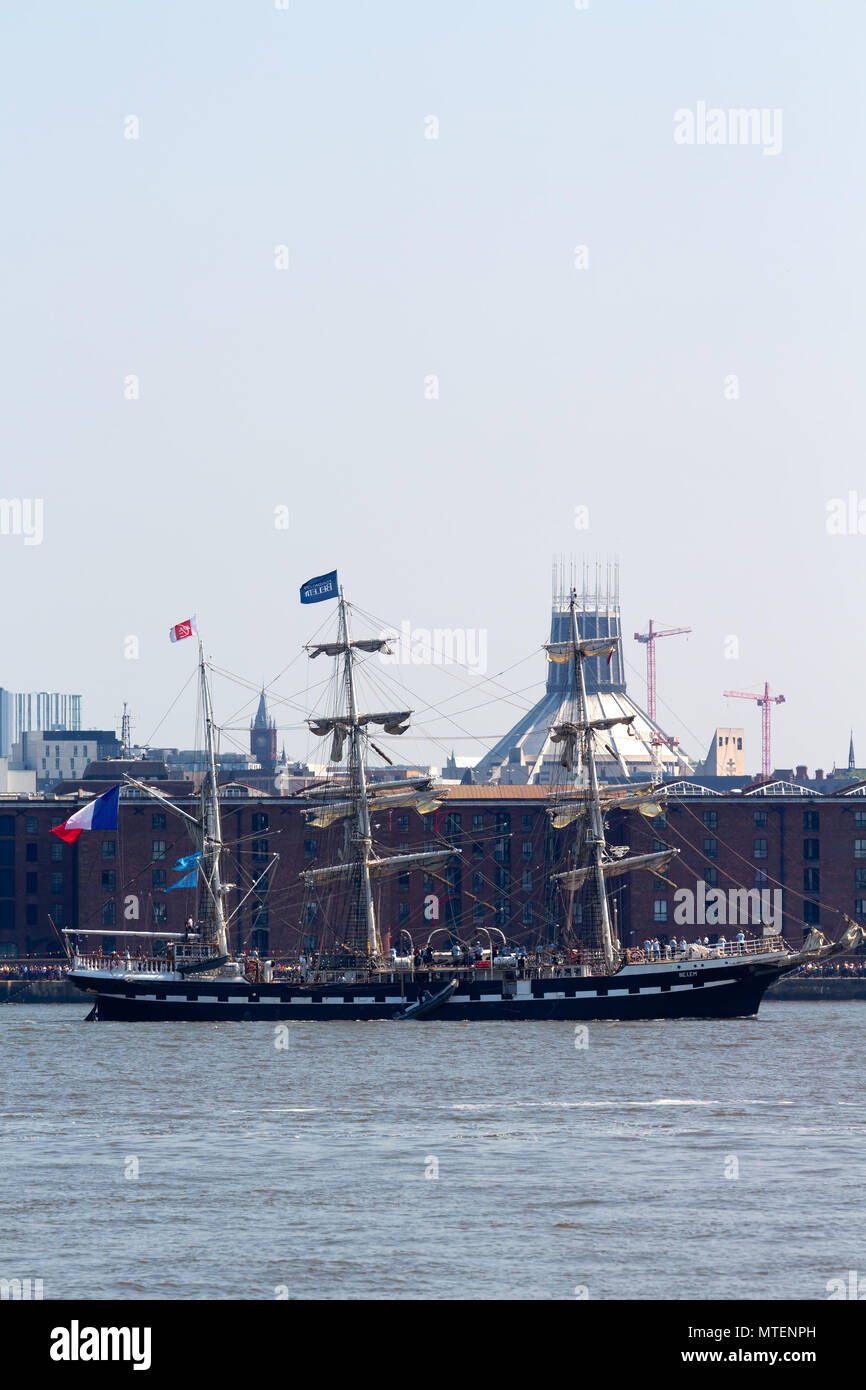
<point>188,860</point>
<point>188,881</point>
<point>322,587</point>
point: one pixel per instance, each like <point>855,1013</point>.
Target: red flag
<point>184,629</point>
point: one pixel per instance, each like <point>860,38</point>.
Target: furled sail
<point>338,789</point>
<point>339,728</point>
<point>574,878</point>
<point>329,814</point>
<point>379,868</point>
<point>815,943</point>
<point>567,734</point>
<point>566,812</point>
<point>393,721</point>
<point>852,937</point>
<point>367,644</point>
<point>561,652</point>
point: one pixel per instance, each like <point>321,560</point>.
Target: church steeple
<point>851,763</point>
<point>261,719</point>
<point>263,735</point>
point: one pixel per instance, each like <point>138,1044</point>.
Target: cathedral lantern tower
<point>643,751</point>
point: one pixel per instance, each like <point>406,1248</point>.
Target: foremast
<point>213,890</point>
<point>205,829</point>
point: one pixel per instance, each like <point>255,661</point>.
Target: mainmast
<point>350,801</point>
<point>360,833</point>
<point>596,835</point>
<point>211,833</point>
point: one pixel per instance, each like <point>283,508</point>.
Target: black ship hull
<point>707,989</point>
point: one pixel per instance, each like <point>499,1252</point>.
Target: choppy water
<point>558,1167</point>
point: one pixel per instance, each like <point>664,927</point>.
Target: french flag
<point>100,814</point>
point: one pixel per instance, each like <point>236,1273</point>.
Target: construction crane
<point>649,640</point>
<point>765,701</point>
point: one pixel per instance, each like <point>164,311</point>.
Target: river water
<point>433,1160</point>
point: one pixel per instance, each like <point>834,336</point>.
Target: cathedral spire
<point>851,763</point>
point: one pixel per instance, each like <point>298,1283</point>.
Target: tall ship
<point>364,970</point>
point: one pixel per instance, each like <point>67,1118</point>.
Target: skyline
<point>488,679</point>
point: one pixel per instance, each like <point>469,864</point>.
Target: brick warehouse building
<point>778,835</point>
<point>813,845</point>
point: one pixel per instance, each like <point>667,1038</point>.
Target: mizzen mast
<point>603,863</point>
<point>596,836</point>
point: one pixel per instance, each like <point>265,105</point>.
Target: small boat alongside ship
<point>590,977</point>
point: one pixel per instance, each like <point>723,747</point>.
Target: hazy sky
<point>606,386</point>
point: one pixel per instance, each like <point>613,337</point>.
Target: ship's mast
<point>596,836</point>
<point>350,802</point>
<point>361,834</point>
<point>211,832</point>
